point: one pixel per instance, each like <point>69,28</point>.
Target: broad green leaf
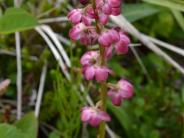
<point>134,12</point>
<point>29,125</point>
<point>178,5</point>
<point>54,135</point>
<point>16,19</point>
<point>9,131</point>
<point>123,118</point>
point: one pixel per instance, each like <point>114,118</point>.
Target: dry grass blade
<point>40,90</point>
<point>125,25</point>
<point>52,20</point>
<point>54,51</point>
<point>60,48</point>
<point>166,45</point>
<point>140,62</point>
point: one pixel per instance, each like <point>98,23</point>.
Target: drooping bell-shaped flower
<point>100,73</point>
<point>121,47</point>
<point>94,116</point>
<point>92,68</point>
<point>122,90</point>
<point>108,37</point>
<point>79,16</point>
<point>86,34</point>
<point>114,3</point>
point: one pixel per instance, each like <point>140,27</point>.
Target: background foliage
<point>157,109</point>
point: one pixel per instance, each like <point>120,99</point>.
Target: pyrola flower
<point>94,116</point>
<point>122,90</point>
<point>114,38</point>
<point>92,68</point>
<point>121,47</point>
<point>78,15</point>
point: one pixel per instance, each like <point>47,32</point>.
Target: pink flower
<point>114,3</point>
<point>92,68</point>
<point>100,73</point>
<point>106,8</point>
<point>103,18</point>
<point>123,90</point>
<point>122,46</point>
<point>77,31</point>
<point>77,16</point>
<point>86,34</point>
<point>116,11</point>
<point>107,38</point>
<point>114,38</point>
<point>94,116</point>
<point>89,58</point>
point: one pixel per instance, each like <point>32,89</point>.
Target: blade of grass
<point>167,3</point>
<point>179,18</point>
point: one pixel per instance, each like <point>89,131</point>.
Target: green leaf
<point>178,5</point>
<point>134,12</point>
<point>54,134</point>
<point>123,118</point>
<point>16,19</point>
<point>29,125</point>
<point>0,12</point>
<point>9,131</point>
<point>179,18</point>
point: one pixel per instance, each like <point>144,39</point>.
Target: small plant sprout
<point>89,28</point>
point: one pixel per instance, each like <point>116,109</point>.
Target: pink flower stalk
<point>94,116</point>
<point>122,90</point>
<point>94,63</point>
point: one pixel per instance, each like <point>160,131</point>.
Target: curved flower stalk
<point>89,28</point>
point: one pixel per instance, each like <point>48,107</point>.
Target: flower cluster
<point>88,28</point>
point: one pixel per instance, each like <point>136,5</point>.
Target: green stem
<point>103,97</point>
<point>103,91</point>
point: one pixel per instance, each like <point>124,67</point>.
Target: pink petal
<point>116,11</point>
<point>95,120</point>
<point>89,73</point>
<point>104,116</point>
<point>114,3</point>
<point>103,18</point>
<point>126,90</point>
<point>85,115</point>
<point>101,74</point>
<point>75,16</point>
<point>121,48</point>
<point>106,9</point>
<point>116,100</point>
